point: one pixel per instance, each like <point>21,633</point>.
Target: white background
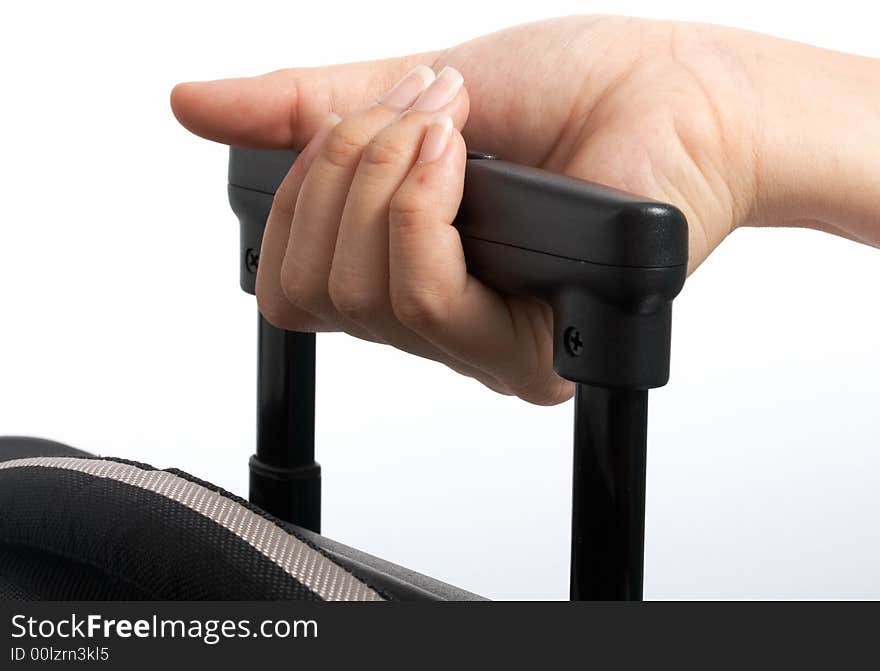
<point>124,332</point>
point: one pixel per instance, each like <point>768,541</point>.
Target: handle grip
<point>608,262</point>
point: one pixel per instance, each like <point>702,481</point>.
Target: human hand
<point>731,127</point>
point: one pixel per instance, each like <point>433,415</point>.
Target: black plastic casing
<point>608,262</point>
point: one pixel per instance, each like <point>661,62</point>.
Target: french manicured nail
<point>404,92</point>
<point>440,92</point>
<point>436,138</point>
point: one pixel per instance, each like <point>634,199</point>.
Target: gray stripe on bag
<point>303,563</point>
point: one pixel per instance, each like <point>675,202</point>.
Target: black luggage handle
<point>608,262</point>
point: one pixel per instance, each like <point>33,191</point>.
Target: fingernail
<point>440,92</point>
<point>404,92</point>
<point>436,138</point>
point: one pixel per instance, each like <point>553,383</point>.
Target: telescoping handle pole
<point>609,263</point>
<point>285,479</point>
<point>608,493</point>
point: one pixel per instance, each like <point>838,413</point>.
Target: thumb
<point>284,108</point>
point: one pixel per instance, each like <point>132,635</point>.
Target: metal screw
<point>251,260</point>
<point>574,345</point>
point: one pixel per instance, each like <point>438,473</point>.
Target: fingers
<point>272,302</point>
<point>325,250</point>
<point>432,295</point>
<point>360,238</point>
<point>321,202</point>
<point>358,286</point>
<point>358,281</point>
<point>359,278</point>
<point>284,108</point>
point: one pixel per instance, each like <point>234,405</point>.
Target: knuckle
<point>343,146</point>
<point>381,153</point>
<point>419,308</point>
<point>277,311</point>
<point>300,292</point>
<point>351,302</point>
<point>406,208</point>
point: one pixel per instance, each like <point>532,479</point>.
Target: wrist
<point>817,137</point>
